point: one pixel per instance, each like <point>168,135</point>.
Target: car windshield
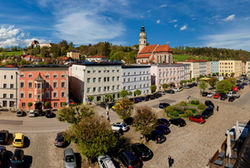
<point>2,135</point>
<point>70,158</point>
<point>18,140</point>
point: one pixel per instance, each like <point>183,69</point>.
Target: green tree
<point>123,93</point>
<point>109,98</point>
<point>94,137</point>
<point>203,85</point>
<point>130,93</point>
<point>224,86</point>
<point>232,80</point>
<point>153,88</point>
<point>90,98</point>
<point>212,81</point>
<point>165,86</point>
<point>182,82</point>
<point>144,120</point>
<point>123,107</point>
<point>30,104</point>
<point>232,75</point>
<point>137,92</point>
<point>47,104</point>
<point>66,114</point>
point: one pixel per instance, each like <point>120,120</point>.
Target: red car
<point>235,89</point>
<point>197,118</point>
<point>216,96</point>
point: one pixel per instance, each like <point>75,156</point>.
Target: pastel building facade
<point>227,67</point>
<point>9,88</point>
<point>73,55</point>
<point>136,77</point>
<point>97,80</point>
<point>167,74</point>
<point>39,84</point>
<point>197,67</point>
<point>214,67</point>
<point>248,68</point>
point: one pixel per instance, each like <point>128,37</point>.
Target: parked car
<point>32,113</point>
<point>119,126</point>
<point>50,114</point>
<point>69,158</point>
<point>4,134</point>
<point>240,87</point>
<point>60,141</point>
<point>169,91</point>
<point>152,97</point>
<point>207,112</point>
<point>137,99</point>
<point>19,113</point>
<point>142,151</point>
<point>186,87</point>
<point>233,94</point>
<point>198,118</point>
<point>178,122</point>
<point>17,160</point>
<point>147,98</point>
<point>235,89</point>
<point>178,89</point>
<point>231,99</point>
<point>210,95</point>
<point>129,160</point>
<point>158,94</point>
<point>216,96</point>
<point>246,82</point>
<point>204,94</point>
<point>163,129</point>
<point>39,112</point>
<point>18,140</point>
<point>223,97</point>
<point>156,136</point>
<point>209,103</point>
<point>163,121</point>
<point>3,157</point>
<point>163,105</point>
<point>105,161</point>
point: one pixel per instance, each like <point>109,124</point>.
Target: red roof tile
<point>163,48</point>
<point>143,56</point>
<point>98,56</point>
<point>148,49</point>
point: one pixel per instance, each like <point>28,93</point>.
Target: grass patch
<point>11,53</point>
<point>183,57</point>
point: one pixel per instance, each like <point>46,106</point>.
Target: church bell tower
<point>142,39</point>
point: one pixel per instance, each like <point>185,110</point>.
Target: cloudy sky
<point>215,23</point>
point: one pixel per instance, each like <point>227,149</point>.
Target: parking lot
<point>190,146</point>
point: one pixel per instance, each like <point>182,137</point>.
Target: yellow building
<point>227,67</point>
<point>73,54</point>
<point>248,68</point>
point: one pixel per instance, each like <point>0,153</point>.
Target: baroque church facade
<point>152,54</point>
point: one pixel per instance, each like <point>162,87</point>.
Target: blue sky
<point>215,23</point>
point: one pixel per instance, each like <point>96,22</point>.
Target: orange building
<point>43,83</point>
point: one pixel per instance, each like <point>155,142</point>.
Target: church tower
<point>142,39</point>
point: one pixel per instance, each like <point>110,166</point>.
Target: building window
<point>108,88</point>
<point>88,80</point>
<point>94,80</point>
<point>62,94</point>
<point>55,76</point>
<point>93,71</point>
<point>113,78</point>
<point>4,85</point>
<point>47,76</point>
<point>94,89</point>
<point>88,90</point>
<point>118,78</point>
<point>99,79</point>
<point>104,79</point>
<point>117,70</point>
<point>47,85</point>
<point>22,75</point>
<point>107,71</point>
<point>55,104</point>
<point>107,79</point>
<point>113,87</point>
<point>4,76</point>
<point>4,95</point>
<point>63,84</point>
<point>30,95</point>
<point>134,79</point>
<point>11,77</point>
<point>38,85</point>
<point>30,75</point>
<point>55,94</point>
<point>117,87</point>
<point>134,86</point>
<point>23,104</point>
<point>62,76</point>
<point>55,84</point>
<point>99,71</point>
<point>99,89</point>
<point>22,95</point>
<point>88,71</point>
<point>104,89</point>
<point>30,84</point>
<point>21,85</point>
<point>47,95</point>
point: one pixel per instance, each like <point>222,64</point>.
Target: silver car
<point>105,161</point>
<point>69,158</point>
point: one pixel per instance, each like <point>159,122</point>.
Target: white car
<point>176,89</point>
<point>105,161</point>
<point>210,95</point>
<point>119,126</point>
<point>243,128</point>
<point>32,113</point>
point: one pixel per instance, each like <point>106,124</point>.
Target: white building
<point>95,79</point>
<point>247,68</point>
<point>97,58</point>
<point>136,77</point>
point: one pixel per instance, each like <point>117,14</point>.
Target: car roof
<point>128,155</point>
<point>19,135</point>
<point>68,151</point>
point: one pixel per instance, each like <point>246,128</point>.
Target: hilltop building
<point>73,54</point>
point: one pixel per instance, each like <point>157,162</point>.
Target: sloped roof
<point>98,56</point>
<point>143,56</point>
<point>163,48</point>
<point>39,78</point>
<point>148,49</point>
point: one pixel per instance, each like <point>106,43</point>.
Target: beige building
<point>95,79</point>
<point>248,68</point>
<point>197,67</point>
<point>8,88</point>
<point>73,54</point>
<point>228,67</point>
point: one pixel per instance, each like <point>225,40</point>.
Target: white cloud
<point>183,27</point>
<point>176,25</point>
<point>229,18</point>
<point>158,21</point>
<point>11,36</point>
<point>173,21</point>
<point>239,39</point>
<point>163,5</point>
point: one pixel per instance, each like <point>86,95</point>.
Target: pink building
<point>167,73</point>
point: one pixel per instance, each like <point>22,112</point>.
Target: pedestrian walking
<point>170,161</point>
<point>217,108</point>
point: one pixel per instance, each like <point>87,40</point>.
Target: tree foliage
<point>224,86</point>
<point>203,85</point>
<point>123,107</point>
<point>123,93</point>
<point>212,81</point>
<point>144,120</point>
<point>164,86</point>
<point>153,88</point>
<point>137,92</point>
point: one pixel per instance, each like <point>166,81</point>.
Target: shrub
<point>183,103</point>
<point>169,109</point>
<point>188,113</point>
<point>195,102</point>
<point>201,106</point>
<point>173,114</point>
